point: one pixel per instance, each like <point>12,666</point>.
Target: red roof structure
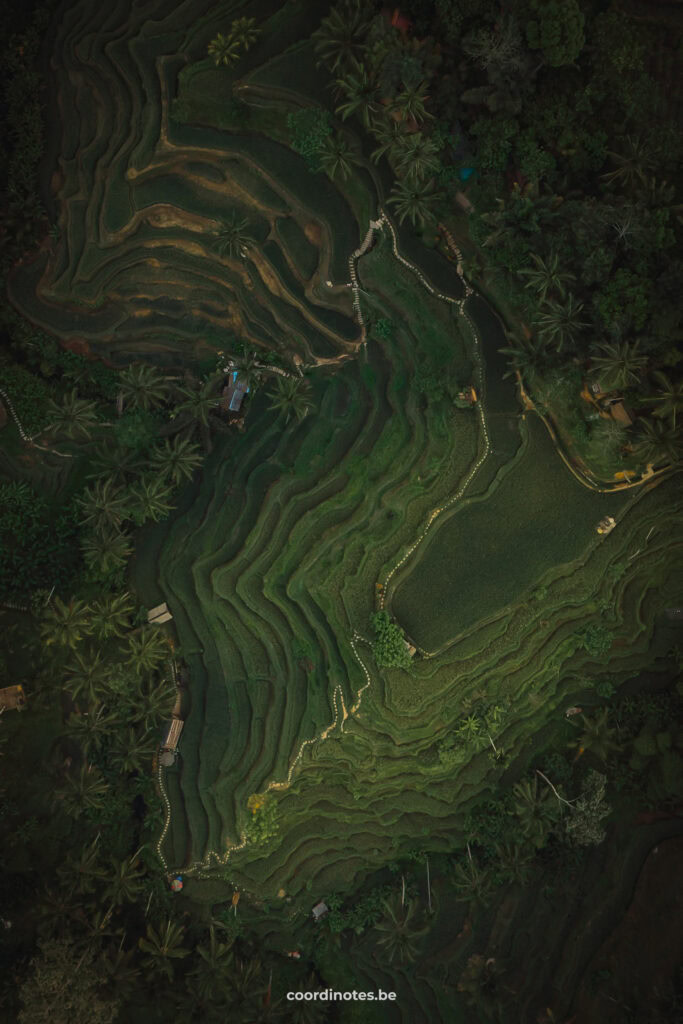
<point>398,20</point>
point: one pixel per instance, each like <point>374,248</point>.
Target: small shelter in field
<point>12,698</point>
<point>466,397</point>
<point>159,614</point>
<point>234,392</point>
<point>319,910</point>
<point>619,413</point>
<point>606,525</point>
<point>172,734</point>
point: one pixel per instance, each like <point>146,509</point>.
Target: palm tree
<point>162,946</point>
<point>471,882</point>
<point>669,396</point>
<point>362,95</point>
<point>200,399</point>
<point>249,367</point>
<point>105,505</point>
<point>658,445</point>
<point>116,462</point>
<point>416,158</point>
<point>65,625</point>
<point>124,879</point>
<point>177,459</point>
<point>83,869</point>
<point>313,1012</point>
<point>57,910</point>
<point>135,752</point>
<point>632,164</point>
<point>83,792</point>
<point>410,104</point>
<point>470,730</point>
<point>536,810</point>
<point>243,980</point>
<point>224,49</point>
<point>340,39</point>
<point>107,551</point>
<point>291,397</point>
<point>416,201</point>
<point>121,972</point>
<point>525,353</point>
<point>546,277</point>
<point>143,387</point>
<point>147,649</point>
<point>390,135</point>
<point>214,964</point>
<point>75,417</point>
<point>561,324</point>
<point>150,702</point>
<point>337,157</point>
<point>619,365</point>
<point>244,32</point>
<point>400,934</point>
<point>149,499</point>
<point>98,922</point>
<point>92,728</point>
<point>597,736</point>
<point>514,861</point>
<point>87,675</point>
<point>234,237</point>
<point>111,615</point>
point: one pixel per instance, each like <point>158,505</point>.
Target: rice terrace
<point>341,508</point>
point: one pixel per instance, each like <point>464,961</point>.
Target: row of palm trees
<point>359,51</point>
<point>113,674</point>
<point>129,486</point>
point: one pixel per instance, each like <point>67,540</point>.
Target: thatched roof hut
<point>172,734</point>
<point>13,698</point>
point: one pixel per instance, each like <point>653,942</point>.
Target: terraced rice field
<point>271,564</point>
<point>140,198</point>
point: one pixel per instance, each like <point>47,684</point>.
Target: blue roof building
<point>234,392</point>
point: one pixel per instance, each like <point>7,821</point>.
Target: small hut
<point>159,614</point>
<point>234,392</point>
<point>606,525</point>
<point>465,398</point>
<point>13,698</point>
<point>319,910</point>
<point>620,413</point>
<point>172,734</point>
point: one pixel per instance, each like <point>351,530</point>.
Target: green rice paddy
<point>534,517</point>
